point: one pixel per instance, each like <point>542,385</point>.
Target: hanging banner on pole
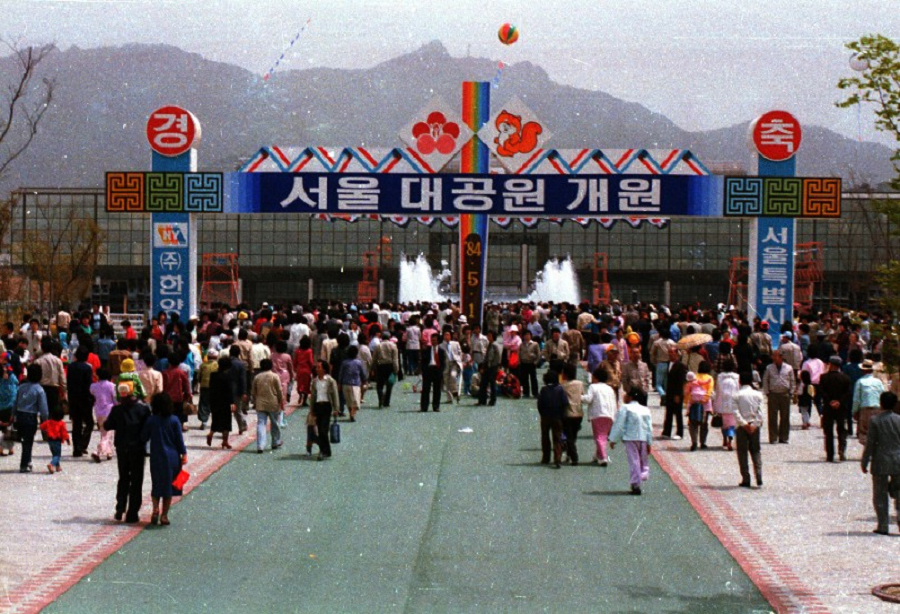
<point>171,277</point>
<point>776,136</point>
<point>473,227</point>
<point>771,292</point>
<point>170,191</point>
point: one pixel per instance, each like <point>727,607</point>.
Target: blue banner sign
<point>493,195</point>
<point>500,195</point>
<point>772,271</point>
<point>171,267</point>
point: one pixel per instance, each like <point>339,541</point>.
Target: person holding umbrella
<point>692,344</point>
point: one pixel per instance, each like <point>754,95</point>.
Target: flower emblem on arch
<point>436,133</point>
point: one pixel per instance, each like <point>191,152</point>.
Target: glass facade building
<point>278,254</point>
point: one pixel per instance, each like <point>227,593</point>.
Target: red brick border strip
<point>36,593</point>
<point>778,583</point>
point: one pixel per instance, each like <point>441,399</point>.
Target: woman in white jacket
<point>727,386</point>
<point>602,406</point>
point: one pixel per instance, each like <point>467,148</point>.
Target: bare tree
<point>25,102</point>
<point>61,254</point>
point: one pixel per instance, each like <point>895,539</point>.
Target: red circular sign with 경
<point>172,130</point>
<point>776,135</point>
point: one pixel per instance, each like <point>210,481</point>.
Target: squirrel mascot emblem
<point>515,138</point>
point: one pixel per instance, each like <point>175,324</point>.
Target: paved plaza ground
<point>413,515</point>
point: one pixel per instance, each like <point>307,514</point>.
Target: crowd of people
<point>716,368</point>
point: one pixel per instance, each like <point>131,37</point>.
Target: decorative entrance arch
<point>539,183</point>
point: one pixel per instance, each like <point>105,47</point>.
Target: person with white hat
<point>511,344</point>
<point>866,399</point>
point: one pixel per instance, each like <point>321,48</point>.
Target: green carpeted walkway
<point>413,516</point>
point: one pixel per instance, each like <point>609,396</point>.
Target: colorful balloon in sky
<point>508,34</point>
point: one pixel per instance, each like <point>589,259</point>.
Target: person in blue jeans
<point>30,410</point>
<point>56,435</point>
<point>267,397</point>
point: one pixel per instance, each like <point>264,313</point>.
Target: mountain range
<point>103,97</point>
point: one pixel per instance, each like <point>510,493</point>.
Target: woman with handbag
<point>167,455</point>
<point>30,410</point>
<point>323,401</point>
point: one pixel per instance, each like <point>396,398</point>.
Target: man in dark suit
<point>432,373</point>
<point>675,395</point>
<point>883,449</point>
<point>837,394</point>
<point>81,404</point>
<point>238,375</point>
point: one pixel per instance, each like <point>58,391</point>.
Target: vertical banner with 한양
<point>171,263</point>
<point>173,248</point>
<point>772,271</point>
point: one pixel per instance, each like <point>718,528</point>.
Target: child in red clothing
<point>55,430</point>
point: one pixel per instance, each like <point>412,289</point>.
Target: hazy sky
<point>703,63</point>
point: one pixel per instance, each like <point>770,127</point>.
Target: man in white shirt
<point>478,345</point>
<point>258,353</point>
<point>749,419</point>
<point>33,335</point>
<point>298,330</point>
<point>413,346</point>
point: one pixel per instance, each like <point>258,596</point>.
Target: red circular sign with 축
<point>172,130</point>
<point>776,135</point>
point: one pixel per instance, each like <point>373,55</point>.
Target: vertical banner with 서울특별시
<point>773,239</point>
<point>772,271</point>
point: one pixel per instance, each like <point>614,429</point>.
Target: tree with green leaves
<point>876,60</point>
